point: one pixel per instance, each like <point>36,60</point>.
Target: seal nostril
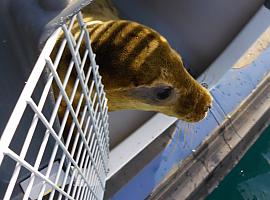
<point>207,108</point>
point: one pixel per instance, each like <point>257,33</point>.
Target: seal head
<point>141,71</point>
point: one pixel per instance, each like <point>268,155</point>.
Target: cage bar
<point>81,169</point>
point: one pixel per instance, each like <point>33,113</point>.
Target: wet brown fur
<point>133,59</point>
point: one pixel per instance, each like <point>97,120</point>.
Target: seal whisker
<point>224,114</point>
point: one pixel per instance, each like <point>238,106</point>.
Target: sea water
<point>250,179</point>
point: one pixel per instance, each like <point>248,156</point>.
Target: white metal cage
<point>36,159</point>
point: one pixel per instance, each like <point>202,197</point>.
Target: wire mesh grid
<point>63,148</point>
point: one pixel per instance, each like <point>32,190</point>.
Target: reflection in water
<point>250,179</point>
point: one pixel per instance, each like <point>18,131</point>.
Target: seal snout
<point>206,97</point>
<point>202,105</point>
<point>205,102</point>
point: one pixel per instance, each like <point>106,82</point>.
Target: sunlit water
<point>250,179</point>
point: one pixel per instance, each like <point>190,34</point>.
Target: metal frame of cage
<point>81,172</point>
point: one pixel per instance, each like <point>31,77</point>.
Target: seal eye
<point>163,93</point>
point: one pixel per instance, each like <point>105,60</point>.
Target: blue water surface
<point>250,179</point>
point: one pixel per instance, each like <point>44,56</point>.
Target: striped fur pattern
<point>139,68</point>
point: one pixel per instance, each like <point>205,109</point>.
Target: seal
<point>139,68</point>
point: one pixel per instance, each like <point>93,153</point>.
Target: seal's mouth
<point>196,118</point>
